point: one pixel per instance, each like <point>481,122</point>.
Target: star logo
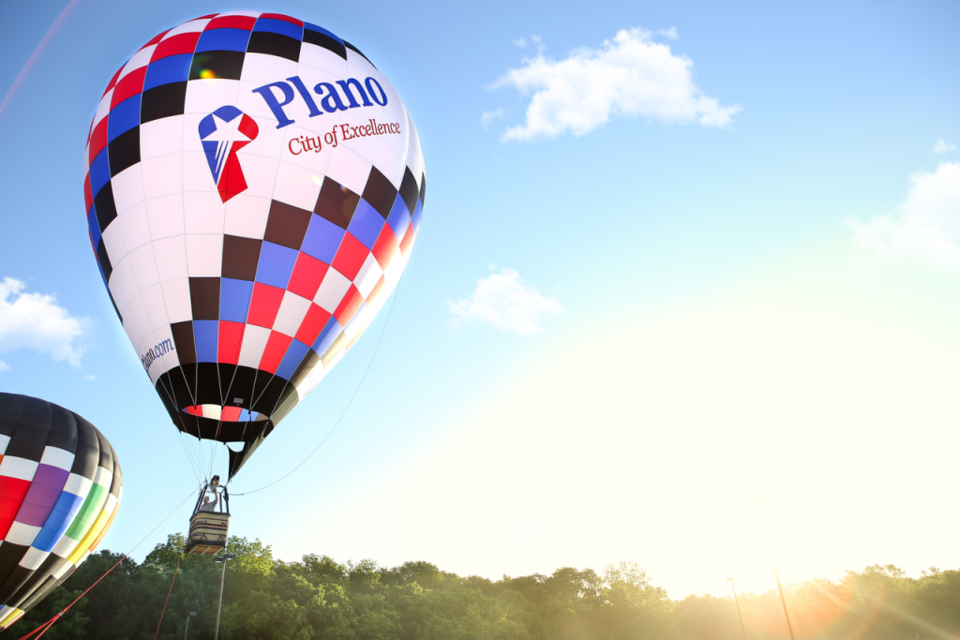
<point>222,134</point>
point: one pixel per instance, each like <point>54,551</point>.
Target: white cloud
<point>504,301</point>
<point>927,225</point>
<point>670,34</point>
<point>943,146</point>
<point>629,76</point>
<point>35,321</point>
<point>522,42</point>
<point>4,366</point>
<point>490,116</point>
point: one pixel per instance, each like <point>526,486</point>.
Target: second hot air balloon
<point>60,486</point>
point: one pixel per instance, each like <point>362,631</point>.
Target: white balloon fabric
<point>254,188</point>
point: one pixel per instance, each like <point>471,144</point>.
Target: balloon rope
<point>345,409</point>
<point>169,591</point>
<point>188,454</point>
<point>49,623</point>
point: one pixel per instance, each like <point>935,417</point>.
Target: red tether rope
<point>168,596</point>
<point>49,623</point>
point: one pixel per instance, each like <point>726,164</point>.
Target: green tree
<point>633,607</point>
<point>317,597</point>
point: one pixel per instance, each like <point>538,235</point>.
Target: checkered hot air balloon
<point>60,486</point>
<point>254,187</point>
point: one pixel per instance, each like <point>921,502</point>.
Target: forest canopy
<point>318,597</point>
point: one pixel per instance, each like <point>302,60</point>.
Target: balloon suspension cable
<point>49,623</point>
<point>345,409</point>
<point>212,448</point>
<point>188,454</point>
<point>169,591</point>
<point>190,457</point>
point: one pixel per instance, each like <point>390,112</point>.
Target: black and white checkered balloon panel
<point>254,187</point>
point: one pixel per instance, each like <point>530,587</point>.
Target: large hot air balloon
<point>254,188</point>
<point>60,486</point>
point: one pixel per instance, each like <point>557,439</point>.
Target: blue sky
<point>674,258</point>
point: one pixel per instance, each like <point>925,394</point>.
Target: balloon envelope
<point>60,486</point>
<point>254,188</point>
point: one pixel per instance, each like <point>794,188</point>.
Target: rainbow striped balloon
<point>60,485</point>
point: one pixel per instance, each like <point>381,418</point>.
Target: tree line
<point>318,597</point>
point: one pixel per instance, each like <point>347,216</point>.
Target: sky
<point>678,261</point>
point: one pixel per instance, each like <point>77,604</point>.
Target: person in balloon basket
<point>208,504</point>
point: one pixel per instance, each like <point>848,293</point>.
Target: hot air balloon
<point>60,486</point>
<point>254,187</point>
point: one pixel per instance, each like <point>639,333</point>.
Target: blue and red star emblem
<point>223,133</point>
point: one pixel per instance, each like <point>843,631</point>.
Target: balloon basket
<point>208,533</point>
<point>210,522</point>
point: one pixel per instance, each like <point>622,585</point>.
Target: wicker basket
<point>208,532</point>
